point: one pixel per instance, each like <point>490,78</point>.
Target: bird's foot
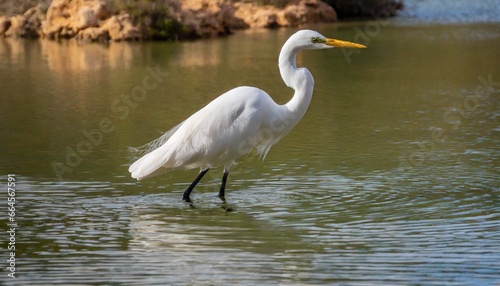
<point>222,198</point>
<point>188,201</point>
<point>186,198</point>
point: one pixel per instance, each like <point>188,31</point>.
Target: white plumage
<point>206,138</point>
<point>237,122</point>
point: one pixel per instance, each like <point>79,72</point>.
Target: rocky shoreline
<point>121,20</point>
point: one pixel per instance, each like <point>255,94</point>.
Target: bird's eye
<point>317,40</point>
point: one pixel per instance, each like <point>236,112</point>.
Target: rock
<point>65,18</point>
<point>4,24</point>
<point>86,18</point>
<point>208,18</point>
<point>308,11</point>
<point>255,16</point>
<point>92,20</point>
<point>121,28</point>
<point>296,13</point>
<point>32,26</point>
<point>263,19</point>
<point>16,26</point>
<point>115,28</point>
<point>205,18</point>
<point>93,34</point>
<point>24,26</point>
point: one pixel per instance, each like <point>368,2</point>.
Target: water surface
<point>391,178</point>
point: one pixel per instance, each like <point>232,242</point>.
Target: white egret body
<point>237,122</point>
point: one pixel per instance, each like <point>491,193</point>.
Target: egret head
<point>308,39</point>
<point>305,40</point>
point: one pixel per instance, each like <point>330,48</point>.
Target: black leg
<point>187,192</point>
<point>222,194</point>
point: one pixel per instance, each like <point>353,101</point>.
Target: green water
<point>391,178</point>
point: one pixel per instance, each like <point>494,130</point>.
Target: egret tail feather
<point>137,152</point>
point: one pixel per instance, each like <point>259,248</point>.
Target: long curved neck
<point>300,79</point>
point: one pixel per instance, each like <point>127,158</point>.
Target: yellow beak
<point>343,44</point>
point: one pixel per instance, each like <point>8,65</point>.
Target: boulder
<point>308,11</point>
<point>92,20</point>
<point>93,34</point>
<point>115,28</point>
<point>257,16</point>
<point>121,28</point>
<point>65,18</point>
<point>26,25</point>
<point>295,13</point>
<point>16,26</point>
<point>205,18</point>
<point>4,25</point>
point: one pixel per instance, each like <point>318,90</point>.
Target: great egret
<point>237,122</point>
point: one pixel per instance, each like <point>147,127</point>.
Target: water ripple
<point>292,230</point>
